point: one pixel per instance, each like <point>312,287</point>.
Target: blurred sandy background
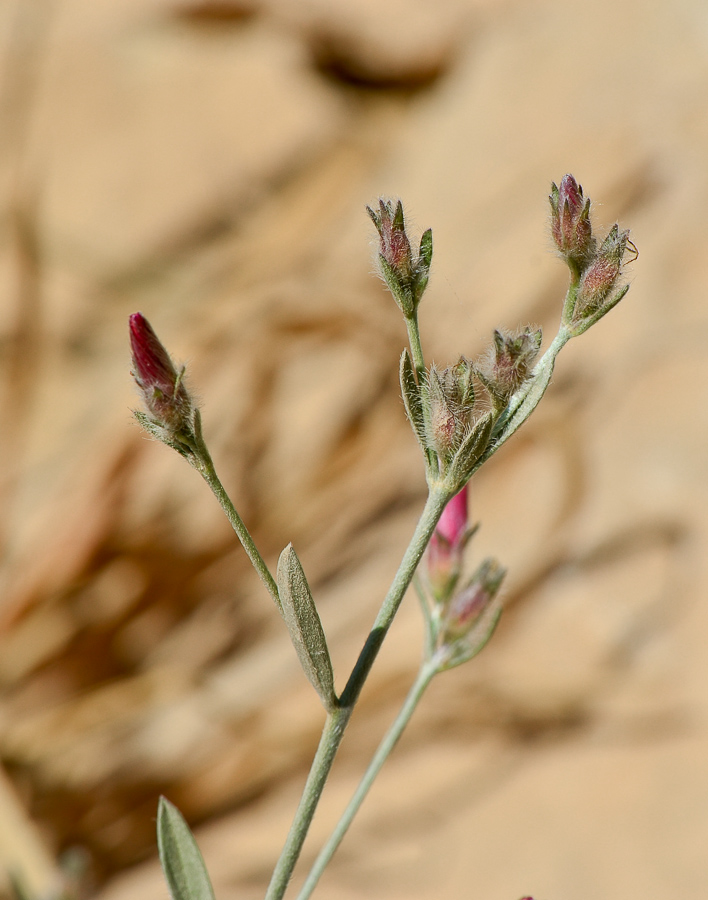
<point>208,163</point>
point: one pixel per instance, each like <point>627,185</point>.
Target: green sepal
<point>467,647</point>
<point>305,627</point>
<point>471,449</point>
<point>161,434</point>
<point>186,875</point>
<point>425,252</point>
<point>412,399</point>
<point>422,268</point>
<point>401,294</point>
<point>581,326</point>
<point>398,223</point>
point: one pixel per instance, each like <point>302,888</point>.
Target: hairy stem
<point>205,467</point>
<point>432,467</point>
<point>424,530</point>
<point>425,676</point>
<point>322,763</point>
<point>338,720</point>
<point>415,345</point>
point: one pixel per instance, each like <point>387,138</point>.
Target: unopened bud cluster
<point>461,618</point>
<point>455,422</point>
<point>509,363</point>
<point>595,271</point>
<point>405,273</point>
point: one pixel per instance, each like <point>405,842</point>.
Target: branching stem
<point>338,720</point>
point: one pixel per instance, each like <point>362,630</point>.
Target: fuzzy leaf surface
<point>186,875</point>
<point>303,623</point>
<point>411,398</point>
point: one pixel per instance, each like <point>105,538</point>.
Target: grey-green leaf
<point>425,253</point>
<point>182,863</point>
<point>305,627</point>
<point>411,398</point>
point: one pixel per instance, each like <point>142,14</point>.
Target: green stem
<point>205,467</point>
<point>322,763</point>
<point>424,530</point>
<point>425,676</point>
<point>527,399</point>
<point>415,344</point>
<point>338,720</point>
<point>571,297</point>
<point>432,468</point>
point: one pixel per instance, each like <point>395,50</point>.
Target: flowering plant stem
<point>338,720</point>
<point>415,344</point>
<point>428,670</point>
<point>457,436</point>
<point>205,466</point>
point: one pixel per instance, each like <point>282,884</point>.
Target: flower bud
<point>405,275</point>
<point>570,222</point>
<point>443,556</point>
<point>449,397</point>
<point>467,606</point>
<point>463,625</point>
<point>602,273</point>
<point>161,385</point>
<point>509,364</point>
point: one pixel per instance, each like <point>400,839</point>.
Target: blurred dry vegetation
<point>208,163</point>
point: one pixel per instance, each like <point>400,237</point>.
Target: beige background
<point>208,163</point>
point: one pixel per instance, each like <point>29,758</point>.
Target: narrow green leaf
<point>471,448</point>
<point>411,398</point>
<point>182,863</point>
<point>305,627</point>
<point>425,253</point>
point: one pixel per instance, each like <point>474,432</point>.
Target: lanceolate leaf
<point>425,253</point>
<point>303,622</point>
<point>182,863</point>
<point>411,398</point>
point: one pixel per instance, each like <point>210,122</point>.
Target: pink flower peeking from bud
<point>443,557</point>
<point>453,521</point>
<point>160,384</point>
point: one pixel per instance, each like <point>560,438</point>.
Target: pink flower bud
<point>467,605</point>
<point>394,245</point>
<point>405,273</point>
<point>443,557</point>
<point>161,386</point>
<point>602,273</point>
<point>570,222</point>
<point>449,397</point>
<point>453,521</point>
<point>509,363</point>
